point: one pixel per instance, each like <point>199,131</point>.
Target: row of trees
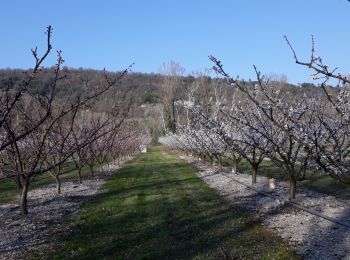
<point>263,120</point>
<point>40,132</point>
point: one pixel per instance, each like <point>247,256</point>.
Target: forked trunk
<point>24,197</point>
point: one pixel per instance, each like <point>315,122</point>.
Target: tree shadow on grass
<point>160,235</point>
<point>166,213</point>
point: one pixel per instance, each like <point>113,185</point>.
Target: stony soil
<point>21,237</point>
<point>312,237</point>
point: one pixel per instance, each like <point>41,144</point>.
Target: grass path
<point>156,208</point>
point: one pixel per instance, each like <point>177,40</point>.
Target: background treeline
<point>144,87</point>
<point>149,92</point>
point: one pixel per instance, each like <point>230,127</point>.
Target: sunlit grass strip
<point>156,208</point>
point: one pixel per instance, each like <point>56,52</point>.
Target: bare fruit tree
<point>331,134</point>
<point>11,97</point>
<point>27,143</point>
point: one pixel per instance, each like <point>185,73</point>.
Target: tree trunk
<point>80,177</point>
<point>254,174</point>
<point>24,197</point>
<point>292,188</point>
<point>91,170</point>
<point>58,184</point>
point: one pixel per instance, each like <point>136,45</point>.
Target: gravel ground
<point>21,237</point>
<point>311,236</point>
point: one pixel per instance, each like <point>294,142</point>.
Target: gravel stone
<point>311,236</point>
<point>36,233</point>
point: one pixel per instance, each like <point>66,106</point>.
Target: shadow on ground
<point>156,208</point>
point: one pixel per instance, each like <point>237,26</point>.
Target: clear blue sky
<point>113,34</point>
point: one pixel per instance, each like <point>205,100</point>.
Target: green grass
<point>315,181</point>
<point>327,185</point>
<point>156,208</point>
<point>9,191</point>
